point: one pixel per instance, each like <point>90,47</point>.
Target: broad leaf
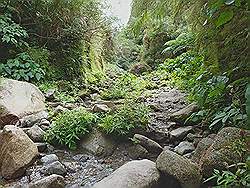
<point>224,17</point>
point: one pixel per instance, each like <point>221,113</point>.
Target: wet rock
<point>180,133</point>
<point>50,95</point>
<point>47,159</point>
<point>137,152</point>
<point>181,169</point>
<point>181,115</point>
<point>19,99</point>
<point>54,168</point>
<point>150,145</point>
<point>52,181</point>
<point>184,148</point>
<point>97,143</point>
<point>134,174</point>
<point>17,152</point>
<point>36,133</point>
<point>222,152</point>
<point>41,147</point>
<point>100,108</point>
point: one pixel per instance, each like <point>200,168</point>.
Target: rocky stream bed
<point>179,154</point>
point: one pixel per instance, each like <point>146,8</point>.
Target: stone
<point>44,122</point>
<point>150,145</point>
<point>100,108</point>
<point>41,147</point>
<point>180,168</point>
<point>59,109</point>
<point>180,133</point>
<point>137,152</point>
<point>30,120</point>
<point>50,95</point>
<point>202,146</point>
<point>181,115</point>
<point>97,143</point>
<point>54,168</point>
<point>17,152</point>
<point>19,99</point>
<point>52,181</point>
<point>222,152</point>
<point>47,159</point>
<point>134,174</point>
<point>36,133</point>
<point>184,148</point>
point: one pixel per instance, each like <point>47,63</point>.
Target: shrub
<point>66,93</point>
<point>22,68</point>
<point>126,86</point>
<point>232,179</point>
<point>129,117</point>
<point>70,126</point>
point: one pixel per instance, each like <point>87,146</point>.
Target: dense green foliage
<point>73,32</point>
<point>70,126</point>
<point>129,117</point>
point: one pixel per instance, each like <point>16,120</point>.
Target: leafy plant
<point>124,84</point>
<point>68,95</point>
<point>237,179</point>
<point>12,33</point>
<point>229,116</point>
<point>70,126</point>
<point>129,117</point>
<point>22,68</point>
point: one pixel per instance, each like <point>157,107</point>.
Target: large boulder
<point>17,152</point>
<point>19,99</point>
<point>52,181</point>
<point>98,144</point>
<point>134,174</point>
<point>223,152</point>
<point>181,169</point>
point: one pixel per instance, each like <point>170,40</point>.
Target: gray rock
<point>18,99</point>
<point>41,147</point>
<point>50,94</point>
<point>183,114</point>
<point>150,145</point>
<point>222,152</point>
<point>180,133</point>
<point>137,152</point>
<point>47,159</point>
<point>52,181</point>
<point>181,169</point>
<point>97,143</point>
<point>100,108</point>
<point>54,168</point>
<point>184,148</point>
<point>30,120</point>
<point>36,133</point>
<point>134,174</point>
<point>44,122</point>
